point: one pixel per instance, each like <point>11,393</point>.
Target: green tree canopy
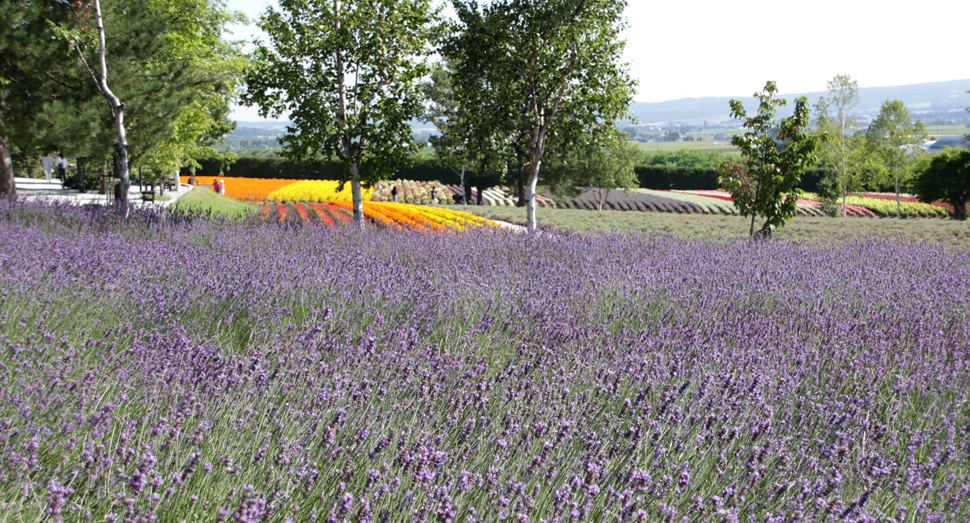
<point>603,165</point>
<point>534,72</point>
<point>460,143</point>
<point>894,138</point>
<point>27,52</point>
<point>347,72</point>
<point>947,179</point>
<point>167,61</point>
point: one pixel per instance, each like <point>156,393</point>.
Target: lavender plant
<point>168,367</point>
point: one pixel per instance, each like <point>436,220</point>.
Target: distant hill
<point>928,101</point>
<point>935,98</point>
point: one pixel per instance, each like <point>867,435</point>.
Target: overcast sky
<point>731,47</point>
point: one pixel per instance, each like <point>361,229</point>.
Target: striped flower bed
<point>885,205</point>
<point>380,214</point>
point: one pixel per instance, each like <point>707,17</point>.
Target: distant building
<point>948,141</point>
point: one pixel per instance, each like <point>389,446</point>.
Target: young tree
<point>347,72</point>
<point>477,149</point>
<point>603,165</point>
<point>443,111</point>
<point>775,156</point>
<point>947,179</point>
<point>894,137</point>
<point>544,70</point>
<point>843,97</point>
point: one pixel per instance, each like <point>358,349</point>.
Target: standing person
<point>216,187</point>
<point>222,187</point>
<point>394,194</point>
<point>434,195</point>
<point>48,164</point>
<point>61,164</point>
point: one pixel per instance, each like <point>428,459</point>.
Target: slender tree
<point>775,156</point>
<point>347,73</point>
<point>478,150</point>
<point>604,164</point>
<point>843,97</point>
<point>543,70</point>
<point>894,137</point>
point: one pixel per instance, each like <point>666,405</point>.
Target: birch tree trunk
<point>117,108</point>
<point>530,198</point>
<point>350,155</point>
<point>464,189</point>
<point>358,196</point>
<point>533,181</point>
<point>899,211</point>
<point>842,179</point>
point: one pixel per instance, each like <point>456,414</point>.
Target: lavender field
<point>167,368</point>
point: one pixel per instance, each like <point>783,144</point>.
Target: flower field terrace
<point>168,367</point>
<point>884,204</point>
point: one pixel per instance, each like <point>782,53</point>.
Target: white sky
<point>731,47</point>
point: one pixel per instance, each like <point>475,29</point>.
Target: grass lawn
<point>947,130</point>
<point>704,225</point>
<point>204,200</point>
<point>654,147</point>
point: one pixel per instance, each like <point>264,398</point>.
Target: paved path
<point>34,189</point>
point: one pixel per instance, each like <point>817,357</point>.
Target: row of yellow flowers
<point>316,191</point>
<point>452,219</point>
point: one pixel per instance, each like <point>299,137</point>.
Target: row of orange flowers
<point>253,189</point>
<point>397,217</point>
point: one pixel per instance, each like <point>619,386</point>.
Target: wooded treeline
<point>165,63</point>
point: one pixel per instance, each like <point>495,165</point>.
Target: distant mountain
<point>928,98</point>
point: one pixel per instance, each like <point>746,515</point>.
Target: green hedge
<point>252,167</point>
<point>701,178</point>
<point>650,176</point>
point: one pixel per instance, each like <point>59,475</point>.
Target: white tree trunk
<point>464,190</point>
<point>843,178</point>
<point>899,211</point>
<point>117,108</point>
<point>358,195</point>
<point>530,197</point>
